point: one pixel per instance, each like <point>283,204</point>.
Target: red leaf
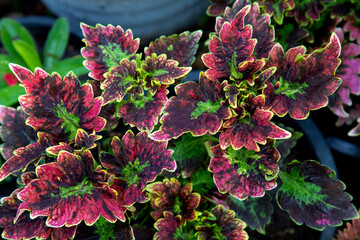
<point>181,48</point>
<point>196,108</point>
<point>302,82</point>
<point>106,47</point>
<point>56,105</point>
<point>13,130</point>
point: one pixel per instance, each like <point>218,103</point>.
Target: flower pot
<point>147,19</point>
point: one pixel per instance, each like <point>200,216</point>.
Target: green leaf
<point>74,64</point>
<point>202,181</point>
<point>9,95</point>
<point>12,30</point>
<point>28,53</point>
<point>56,42</point>
<point>190,152</point>
<point>256,212</point>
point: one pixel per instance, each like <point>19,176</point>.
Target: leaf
<point>284,146</point>
<point>23,156</point>
<point>249,131</point>
<point>277,9</point>
<point>9,95</point>
<point>144,113</point>
<point>25,227</point>
<point>245,173</point>
<point>106,47</point>
<point>137,160</point>
<point>12,30</point>
<point>180,48</point>
<point>217,7</point>
<point>66,65</point>
<point>162,70</point>
<point>233,46</point>
<point>167,226</point>
<point>118,80</point>
<point>29,54</point>
<point>311,195</point>
<point>256,212</point>
<point>171,196</point>
<point>56,42</point>
<point>68,191</point>
<point>203,182</point>
<point>221,224</point>
<point>13,130</point>
<point>302,82</point>
<point>58,106</point>
<point>350,232</point>
<point>262,30</point>
<point>196,108</point>
<point>190,153</point>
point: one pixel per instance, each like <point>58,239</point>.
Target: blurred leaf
<point>28,53</point>
<point>12,30</point>
<point>9,95</point>
<point>74,64</point>
<point>56,42</point>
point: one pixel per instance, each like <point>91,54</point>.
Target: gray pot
<point>147,19</point>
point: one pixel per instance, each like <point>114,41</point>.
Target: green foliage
<point>105,229</point>
<point>21,48</point>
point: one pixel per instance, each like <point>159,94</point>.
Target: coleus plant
<point>198,164</point>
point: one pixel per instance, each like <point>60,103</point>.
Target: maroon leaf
<point>306,11</point>
<point>349,72</point>
<point>233,46</point>
<point>302,82</point>
<point>118,80</point>
<point>56,105</point>
<point>221,224</point>
<point>106,47</point>
<point>243,173</point>
<point>312,196</point>
<point>277,8</point>
<point>23,156</point>
<point>196,108</point>
<point>170,196</point>
<point>25,227</point>
<point>354,30</point>
<point>262,31</point>
<point>162,70</point>
<point>181,48</point>
<point>167,226</point>
<point>13,130</point>
<point>68,191</point>
<point>144,113</point>
<point>137,161</point>
<point>249,130</point>
<point>217,7</point>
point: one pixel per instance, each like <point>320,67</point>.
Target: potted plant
<point>175,166</point>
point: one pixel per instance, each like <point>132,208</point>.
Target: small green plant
<point>22,49</point>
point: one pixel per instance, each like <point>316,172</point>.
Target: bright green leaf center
<point>206,107</point>
<point>70,120</point>
<point>240,160</point>
<point>113,54</point>
<point>290,89</point>
<point>217,233</point>
<point>177,206</point>
<point>132,170</point>
<point>78,190</point>
<point>140,103</point>
<point>295,186</point>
